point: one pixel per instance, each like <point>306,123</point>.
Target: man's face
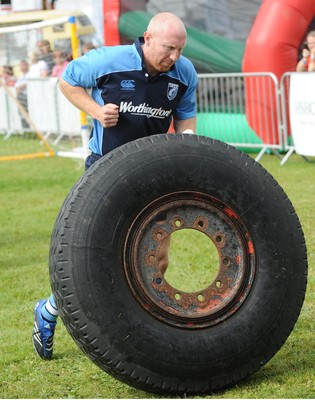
<point>45,48</point>
<point>163,51</point>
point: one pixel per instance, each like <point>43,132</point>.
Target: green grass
<point>29,143</point>
<point>31,193</point>
<point>20,144</point>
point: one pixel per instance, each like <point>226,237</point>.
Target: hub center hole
<point>193,261</point>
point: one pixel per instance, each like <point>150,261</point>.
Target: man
<point>136,91</point>
<point>46,54</point>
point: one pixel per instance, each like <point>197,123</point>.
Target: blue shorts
<point>91,159</point>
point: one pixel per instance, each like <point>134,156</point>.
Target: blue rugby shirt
<point>146,104</point>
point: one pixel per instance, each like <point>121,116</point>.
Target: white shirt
<point>39,70</point>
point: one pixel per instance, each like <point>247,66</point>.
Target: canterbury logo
<point>144,110</point>
<point>128,84</point>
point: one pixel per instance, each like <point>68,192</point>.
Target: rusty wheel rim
<point>143,250</point>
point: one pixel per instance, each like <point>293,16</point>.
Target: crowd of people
<point>43,62</point>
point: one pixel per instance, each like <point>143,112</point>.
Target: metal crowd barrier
<point>246,110</point>
<point>241,109</point>
<point>48,109</point>
<point>10,120</point>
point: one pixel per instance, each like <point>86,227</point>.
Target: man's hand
<point>108,115</point>
<point>182,125</point>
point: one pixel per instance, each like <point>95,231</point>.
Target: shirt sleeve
<point>83,71</point>
<point>187,107</point>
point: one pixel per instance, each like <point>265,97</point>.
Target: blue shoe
<point>43,333</point>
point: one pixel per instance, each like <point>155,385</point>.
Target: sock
<point>49,310</point>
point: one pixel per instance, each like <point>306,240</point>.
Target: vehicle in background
<point>18,39</point>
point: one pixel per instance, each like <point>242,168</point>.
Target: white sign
<point>302,112</point>
<point>26,5</point>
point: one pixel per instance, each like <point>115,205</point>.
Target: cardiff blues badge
<point>172,90</point>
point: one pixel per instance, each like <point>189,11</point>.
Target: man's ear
<point>147,38</point>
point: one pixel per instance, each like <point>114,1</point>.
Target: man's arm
<point>107,115</point>
<point>181,125</point>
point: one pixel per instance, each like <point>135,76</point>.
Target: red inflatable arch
<point>272,46</point>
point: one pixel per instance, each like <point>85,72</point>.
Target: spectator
<point>7,76</point>
<point>87,47</point>
<point>46,54</point>
<point>307,63</point>
<point>60,59</point>
<point>23,76</point>
<point>21,89</point>
<point>39,68</point>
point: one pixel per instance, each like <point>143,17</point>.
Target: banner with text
<point>302,112</point>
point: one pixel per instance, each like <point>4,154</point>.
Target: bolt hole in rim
<point>146,261</point>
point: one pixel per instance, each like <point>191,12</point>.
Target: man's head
<point>164,41</point>
<point>44,46</point>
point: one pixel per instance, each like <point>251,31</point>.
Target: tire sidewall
<point>104,205</point>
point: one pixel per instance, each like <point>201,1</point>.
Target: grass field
<point>31,194</point>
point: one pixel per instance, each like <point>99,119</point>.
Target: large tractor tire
<point>108,265</point>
